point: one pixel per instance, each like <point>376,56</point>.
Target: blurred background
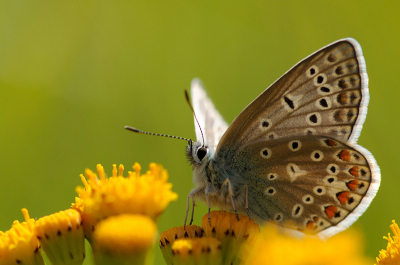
<point>73,74</point>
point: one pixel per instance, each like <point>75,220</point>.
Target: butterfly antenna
<point>194,114</point>
<point>156,134</point>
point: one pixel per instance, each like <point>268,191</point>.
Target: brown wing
<point>325,94</point>
<point>309,183</point>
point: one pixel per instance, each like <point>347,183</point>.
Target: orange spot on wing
<point>354,171</point>
<point>310,225</point>
<point>344,155</point>
<point>342,98</point>
<point>330,142</point>
<point>343,197</point>
<point>352,185</point>
<point>315,219</point>
<point>330,211</point>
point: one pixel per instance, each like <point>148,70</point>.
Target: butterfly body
<point>291,156</point>
<point>210,178</point>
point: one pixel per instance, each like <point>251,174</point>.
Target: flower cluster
<point>118,216</point>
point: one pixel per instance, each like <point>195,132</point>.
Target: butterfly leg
<point>187,211</point>
<point>228,182</point>
<point>190,196</point>
<point>208,202</point>
<point>191,218</point>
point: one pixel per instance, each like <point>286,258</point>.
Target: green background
<point>73,73</point>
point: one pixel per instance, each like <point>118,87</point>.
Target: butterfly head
<point>197,153</point>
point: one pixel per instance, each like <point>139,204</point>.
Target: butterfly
<point>291,156</point>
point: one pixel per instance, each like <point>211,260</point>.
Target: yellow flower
<point>197,251</point>
<point>19,245</point>
<point>148,194</point>
<point>61,237</point>
<point>279,249</point>
<point>88,220</point>
<point>226,241</point>
<point>187,246</point>
<point>124,239</point>
<point>237,236</point>
<point>168,238</point>
<point>391,255</point>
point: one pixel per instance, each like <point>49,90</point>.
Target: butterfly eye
<point>201,153</point>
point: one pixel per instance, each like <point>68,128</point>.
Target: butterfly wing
<point>211,122</point>
<point>309,183</point>
<point>324,94</point>
<point>321,103</point>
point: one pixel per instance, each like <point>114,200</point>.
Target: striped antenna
<point>156,134</point>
